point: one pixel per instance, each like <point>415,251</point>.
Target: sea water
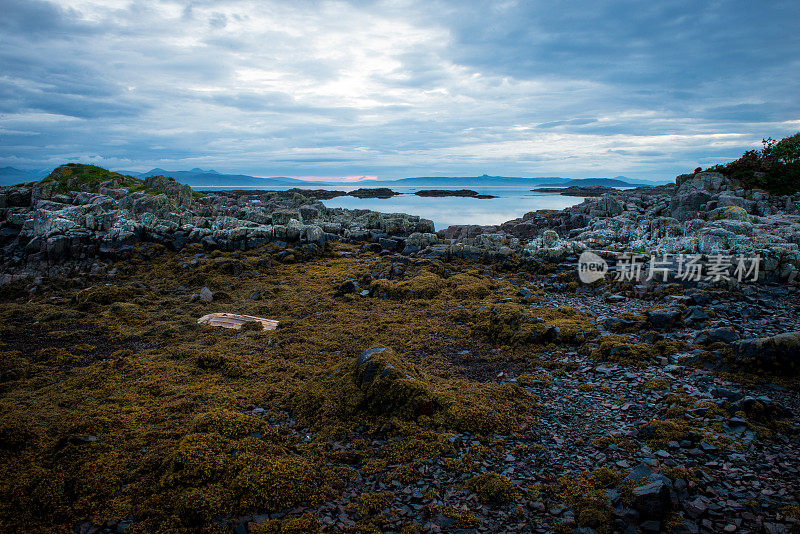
<point>511,203</point>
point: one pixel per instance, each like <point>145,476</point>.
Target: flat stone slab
<point>234,321</point>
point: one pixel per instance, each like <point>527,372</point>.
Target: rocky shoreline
<point>418,381</point>
<point>702,213</point>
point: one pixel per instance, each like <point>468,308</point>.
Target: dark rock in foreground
<point>776,352</point>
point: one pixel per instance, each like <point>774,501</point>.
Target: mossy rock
<point>304,524</point>
<point>104,295</point>
<point>425,285</point>
<point>518,324</point>
<point>383,384</point>
<point>199,458</point>
<point>88,178</point>
<point>227,423</point>
<point>586,493</point>
<point>273,483</point>
<point>492,488</point>
<point>467,285</point>
<point>391,385</point>
<point>626,350</point>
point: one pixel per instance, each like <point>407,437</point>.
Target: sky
<point>396,88</point>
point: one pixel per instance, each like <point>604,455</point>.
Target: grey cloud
<point>132,86</point>
<point>34,17</point>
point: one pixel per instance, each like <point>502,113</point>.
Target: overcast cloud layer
<point>396,88</point>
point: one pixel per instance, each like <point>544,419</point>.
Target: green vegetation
<point>117,404</point>
<point>586,493</point>
<point>77,176</point>
<point>774,168</point>
<point>492,488</point>
<point>89,178</point>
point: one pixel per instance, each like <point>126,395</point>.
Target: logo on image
<point>591,267</point>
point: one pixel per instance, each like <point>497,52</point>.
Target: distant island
<point>448,193</point>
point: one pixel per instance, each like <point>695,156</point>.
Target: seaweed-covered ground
<point>503,400</point>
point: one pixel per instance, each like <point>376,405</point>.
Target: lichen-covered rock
<point>283,216</point>
<point>704,181</point>
<point>735,213</point>
<point>688,203</point>
<point>549,238</point>
<point>182,194</point>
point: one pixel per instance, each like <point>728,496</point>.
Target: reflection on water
<point>512,202</point>
<point>446,211</point>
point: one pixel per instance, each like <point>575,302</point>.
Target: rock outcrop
<point>79,212</point>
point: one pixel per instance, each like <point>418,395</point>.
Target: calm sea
<point>512,202</point>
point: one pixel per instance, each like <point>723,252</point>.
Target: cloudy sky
<point>396,88</point>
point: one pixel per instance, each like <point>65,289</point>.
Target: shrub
<point>774,168</point>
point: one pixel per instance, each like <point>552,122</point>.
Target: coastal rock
<point>780,352</point>
<point>451,193</point>
<point>688,203</point>
<point>549,238</point>
<point>181,194</point>
<point>283,216</point>
<point>724,334</point>
<point>704,181</point>
<point>663,319</point>
<point>652,500</point>
<point>372,192</point>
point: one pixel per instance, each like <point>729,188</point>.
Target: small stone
<point>206,295</point>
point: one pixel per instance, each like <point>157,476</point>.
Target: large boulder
<point>686,205</point>
<point>712,182</point>
<point>607,206</point>
<point>733,213</point>
<point>664,318</point>
<point>652,500</point>
<point>780,353</point>
<point>283,216</point>
<point>181,194</point>
<point>391,385</point>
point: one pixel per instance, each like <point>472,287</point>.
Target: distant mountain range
<point>619,181</point>
<point>200,178</point>
<point>486,180</point>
